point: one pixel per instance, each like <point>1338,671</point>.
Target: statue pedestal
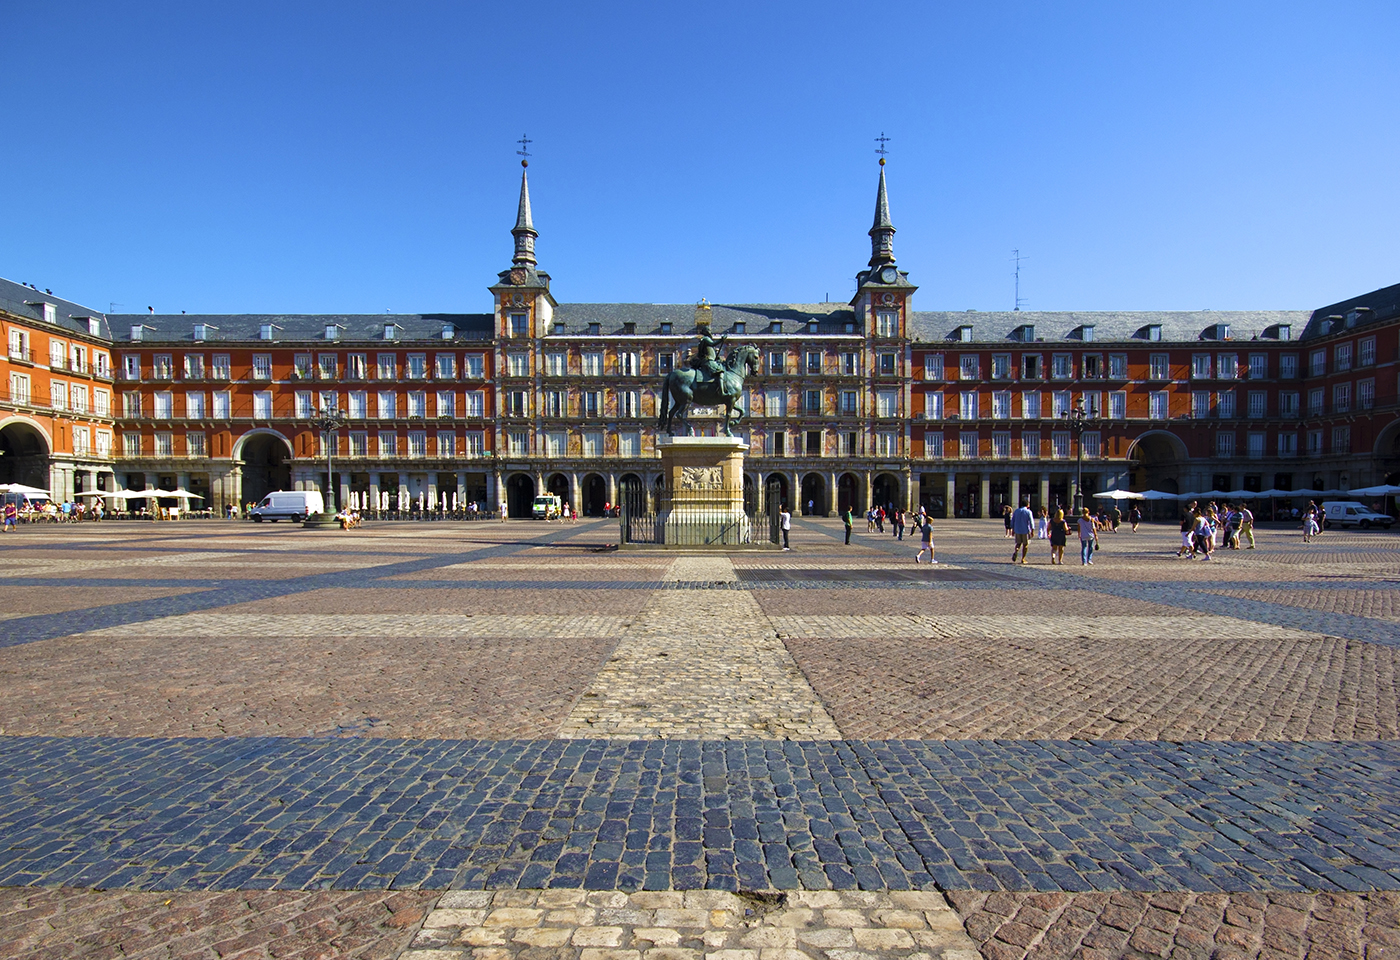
<point>702,499</point>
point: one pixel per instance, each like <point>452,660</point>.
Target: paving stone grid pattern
<point>199,711</point>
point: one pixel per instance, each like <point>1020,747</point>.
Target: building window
<point>161,367</point>
<point>1287,366</point>
<point>387,406</point>
<point>519,325</point>
<point>388,444</point>
<point>517,365</point>
<point>1001,445</point>
<point>628,403</point>
<point>592,443</point>
<point>1254,448</point>
<point>262,366</point>
<point>1001,366</point>
<point>1030,445</point>
<point>967,405</point>
<point>848,402</point>
<point>628,365</point>
<point>78,397</point>
<point>446,443</point>
<point>1365,394</point>
<point>933,366</point>
<point>301,366</point>
<point>1341,397</point>
<point>386,366</point>
<point>417,444</point>
<point>1062,366</point>
<point>326,366</point>
<point>1059,445</point>
<point>933,446</point>
<point>474,366</point>
<point>556,444</point>
<point>164,403</point>
<point>593,403</point>
<point>1091,401</point>
<point>303,405</point>
<point>1157,405</point>
<point>1287,444</point>
<point>102,402</point>
<point>474,443</point>
<point>933,405</point>
<point>417,403</point>
<point>1315,443</point>
<point>1342,358</point>
<point>165,445</point>
<point>1200,404</point>
<point>358,405</point>
<point>886,444</point>
<point>775,361</point>
<point>131,444</point>
<point>1366,355</point>
<point>194,366</point>
<point>356,366</point>
<point>1118,405</point>
<point>968,367</point>
<point>81,441</point>
<point>1160,367</point>
<point>417,367</point>
<point>1224,444</point>
<point>1341,439</point>
<point>1288,404</point>
<point>1060,404</point>
<point>1227,366</point>
<point>1200,366</point>
<point>554,364</point>
<point>665,363</point>
<point>886,403</point>
<point>774,403</point>
<point>1092,365</point>
<point>1030,405</point>
<point>1031,367</point>
<point>1317,363</point>
<point>1258,403</point>
<point>1118,366</point>
<point>814,443</point>
<point>967,445</point>
<point>886,323</point>
<point>777,443</point>
<point>131,363</point>
<point>593,363</point>
<point>262,405</point>
<point>517,403</point>
<point>1090,444</point>
<point>222,406</point>
<point>1225,404</point>
<point>1258,366</point>
<point>814,361</point>
<point>475,405</point>
<point>629,444</point>
<point>19,346</point>
<point>1315,398</point>
<point>1001,405</point>
<point>194,406</point>
<point>554,405</point>
<point>104,443</point>
<point>850,444</point>
<point>811,401</point>
<point>446,403</point>
<point>194,445</point>
<point>850,365</point>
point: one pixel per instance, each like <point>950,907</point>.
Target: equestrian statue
<point>708,382</point>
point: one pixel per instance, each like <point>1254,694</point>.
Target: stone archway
<point>558,484</point>
<point>1155,460</point>
<point>886,491</point>
<point>24,454</point>
<point>848,494</point>
<point>520,496</point>
<point>595,494</point>
<point>266,465</point>
<point>778,483</point>
<point>813,499</point>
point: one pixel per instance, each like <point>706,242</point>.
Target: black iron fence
<point>700,515</point>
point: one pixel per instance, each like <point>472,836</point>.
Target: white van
<point>1349,513</point>
<point>547,506</point>
<point>288,504</point>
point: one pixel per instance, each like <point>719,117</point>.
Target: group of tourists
<point>46,511</point>
<point>1023,525</point>
<point>1205,527</point>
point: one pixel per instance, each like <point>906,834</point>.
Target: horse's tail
<point>665,402</point>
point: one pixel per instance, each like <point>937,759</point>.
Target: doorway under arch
<point>558,484</point>
<point>885,490</point>
<point>266,466</point>
<point>813,496</point>
<point>595,494</point>
<point>24,455</point>
<point>1155,461</point>
<point>848,494</point>
<point>777,483</point>
<point>520,496</point>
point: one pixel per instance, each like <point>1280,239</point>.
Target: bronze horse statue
<point>686,386</point>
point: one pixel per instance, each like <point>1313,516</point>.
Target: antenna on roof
<point>1016,256</point>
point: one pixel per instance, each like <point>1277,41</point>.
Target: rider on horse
<point>706,359</point>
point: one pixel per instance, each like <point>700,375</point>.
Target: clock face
<point>889,274</point>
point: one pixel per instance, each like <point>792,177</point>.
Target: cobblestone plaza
<point>497,740</point>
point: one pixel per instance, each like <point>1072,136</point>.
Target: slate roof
<point>22,301</point>
<point>610,317</point>
<point>1115,326</point>
<point>300,327</point>
<point>1382,304</point>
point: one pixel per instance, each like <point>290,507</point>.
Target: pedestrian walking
<point>1059,536</point>
<point>925,540</point>
<point>1247,526</point>
<point>1042,525</point>
<point>1203,538</point>
<point>1022,526</point>
<point>11,517</point>
<point>785,524</point>
<point>849,519</point>
<point>1310,526</point>
<point>1134,518</point>
<point>1006,519</point>
<point>899,524</point>
<point>1188,530</point>
<point>1088,537</point>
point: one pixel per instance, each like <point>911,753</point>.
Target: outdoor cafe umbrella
<point>174,494</point>
<point>1157,495</point>
<point>1380,490</point>
<point>1119,495</point>
<point>21,488</point>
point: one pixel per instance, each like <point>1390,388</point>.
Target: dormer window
<point>201,331</point>
<point>448,331</point>
<point>666,328</point>
<point>391,331</point>
<point>332,331</point>
<point>850,326</point>
<point>94,326</point>
<point>740,326</point>
<point>812,325</point>
<point>594,329</point>
<point>1154,332</point>
<point>265,331</point>
<point>136,330</point>
<point>1025,333</point>
<point>629,327</point>
<point>1285,331</point>
<point>1216,331</point>
<point>50,313</point>
<point>558,328</point>
<point>963,334</point>
<point>775,326</point>
<point>1086,332</point>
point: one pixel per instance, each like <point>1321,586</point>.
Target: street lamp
<point>329,423</point>
<point>1078,421</point>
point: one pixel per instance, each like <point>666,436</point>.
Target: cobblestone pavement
<point>1145,757</point>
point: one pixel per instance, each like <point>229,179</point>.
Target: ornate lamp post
<point>329,423</point>
<point>1078,421</point>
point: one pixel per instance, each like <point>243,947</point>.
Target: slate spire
<point>882,232</point>
<point>524,229</point>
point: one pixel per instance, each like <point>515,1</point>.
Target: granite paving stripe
<point>43,627</point>
<point>1025,626</point>
<point>990,601</point>
<point>385,625</point>
<point>1374,604</point>
<point>371,925</point>
<point>700,666</point>
<point>296,685</point>
<point>149,814</point>
<point>383,600</point>
<point>1076,688</point>
<point>22,600</point>
<point>701,568</point>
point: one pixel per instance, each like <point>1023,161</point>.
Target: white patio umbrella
<point>1119,495</point>
<point>173,494</point>
<point>26,490</point>
<point>1380,490</point>
<point>1157,495</point>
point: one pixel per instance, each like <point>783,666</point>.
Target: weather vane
<point>882,140</point>
<point>524,151</point>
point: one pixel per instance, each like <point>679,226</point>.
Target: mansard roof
<point>1110,326</point>
<point>648,317</point>
<point>1382,304</point>
<point>22,301</point>
<point>301,327</point>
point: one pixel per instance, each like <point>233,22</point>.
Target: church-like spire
<point>882,232</point>
<point>524,229</point>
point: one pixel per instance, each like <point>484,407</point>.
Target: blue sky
<point>355,157</point>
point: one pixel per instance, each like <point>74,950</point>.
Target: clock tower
<point>524,305</point>
<point>883,291</point>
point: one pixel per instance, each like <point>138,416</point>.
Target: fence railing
<point>699,515</point>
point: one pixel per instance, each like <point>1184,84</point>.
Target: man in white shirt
<point>784,524</point>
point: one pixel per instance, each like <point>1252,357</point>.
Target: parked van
<point>1349,513</point>
<point>289,505</point>
<point>547,506</point>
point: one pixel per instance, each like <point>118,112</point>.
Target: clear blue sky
<point>356,157</point>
